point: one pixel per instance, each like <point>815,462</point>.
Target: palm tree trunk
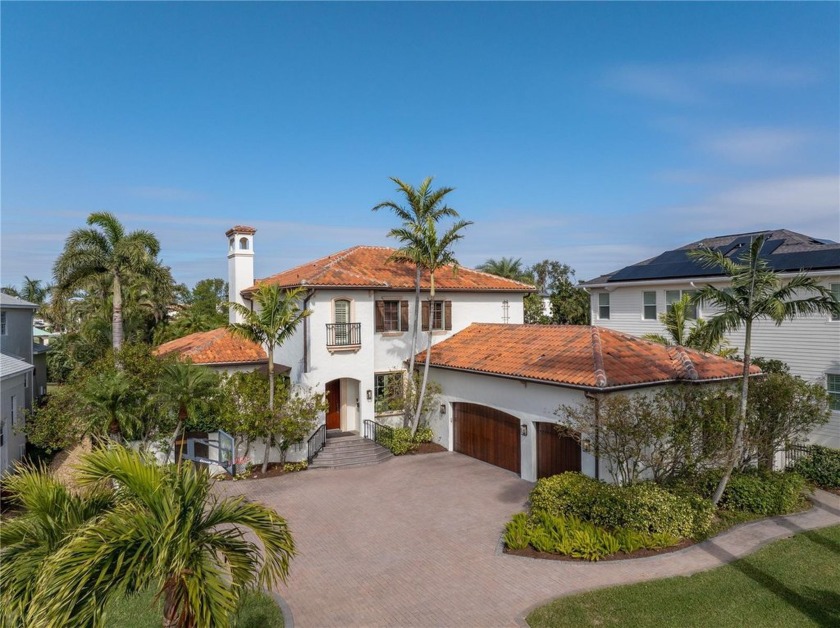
<point>171,618</point>
<point>414,330</point>
<point>117,318</point>
<point>738,444</point>
<point>422,395</point>
<point>269,437</point>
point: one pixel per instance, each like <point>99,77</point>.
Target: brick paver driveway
<point>414,542</point>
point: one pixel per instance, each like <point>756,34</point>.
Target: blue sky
<point>594,134</point>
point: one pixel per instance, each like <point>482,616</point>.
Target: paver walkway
<point>415,542</point>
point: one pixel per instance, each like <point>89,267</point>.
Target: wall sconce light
<point>369,395</point>
<point>524,429</point>
<point>586,445</point>
<point>443,408</point>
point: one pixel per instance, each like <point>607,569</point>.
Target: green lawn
<point>794,582</point>
<point>139,611</point>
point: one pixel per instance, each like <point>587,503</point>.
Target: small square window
<point>649,306</point>
<point>388,392</point>
<point>833,387</point>
<point>604,305</point>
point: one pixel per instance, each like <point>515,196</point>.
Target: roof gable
<point>785,251</point>
<point>580,356</point>
<point>370,267</point>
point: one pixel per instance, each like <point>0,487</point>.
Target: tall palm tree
<point>274,319</point>
<point>50,513</point>
<point>167,529</point>
<point>699,336</point>
<point>755,292</point>
<point>34,291</point>
<point>185,387</point>
<point>507,267</point>
<point>432,252</point>
<point>109,254</point>
<point>423,204</point>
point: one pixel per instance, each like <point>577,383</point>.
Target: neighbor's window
<point>13,401</point>
<point>833,386</point>
<point>388,392</point>
<point>440,313</point>
<point>835,290</point>
<point>672,296</point>
<point>604,305</point>
<point>649,309</point>
<point>391,315</point>
<point>2,323</point>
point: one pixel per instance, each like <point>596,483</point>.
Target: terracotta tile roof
<point>217,346</point>
<point>576,355</point>
<point>369,267</point>
<point>240,229</point>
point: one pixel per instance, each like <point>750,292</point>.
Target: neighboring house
<point>502,385</point>
<point>21,370</point>
<point>220,350</point>
<point>357,342</point>
<point>631,300</point>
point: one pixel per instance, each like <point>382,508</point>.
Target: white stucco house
<point>632,298</point>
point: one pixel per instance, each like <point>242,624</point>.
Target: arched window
<point>230,243</point>
<point>243,244</point>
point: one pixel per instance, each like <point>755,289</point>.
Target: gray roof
<point>12,366</point>
<point>785,251</point>
<point>7,300</point>
<point>38,348</point>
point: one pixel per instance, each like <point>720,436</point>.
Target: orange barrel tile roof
<point>579,356</point>
<point>370,267</point>
<point>218,346</point>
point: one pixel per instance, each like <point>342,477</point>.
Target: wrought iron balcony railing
<point>344,334</point>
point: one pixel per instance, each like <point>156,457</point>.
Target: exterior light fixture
<point>369,395</point>
<point>443,408</point>
<point>524,429</point>
<point>586,444</point>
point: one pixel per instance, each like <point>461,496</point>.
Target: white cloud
<point>758,146</point>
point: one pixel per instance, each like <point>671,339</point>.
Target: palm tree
<point>755,292</point>
<point>50,513</point>
<point>423,204</point>
<point>33,291</point>
<point>506,267</point>
<point>270,324</point>
<point>109,254</point>
<point>432,253</point>
<point>186,387</point>
<point>167,529</point>
<point>109,397</point>
<point>699,336</point>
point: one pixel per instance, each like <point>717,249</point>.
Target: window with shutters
<point>440,314</point>
<point>391,316</point>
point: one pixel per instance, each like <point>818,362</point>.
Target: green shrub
<point>398,440</point>
<point>517,532</point>
<point>821,466</point>
<point>291,467</point>
<point>765,493</point>
<point>644,507</point>
<point>423,435</point>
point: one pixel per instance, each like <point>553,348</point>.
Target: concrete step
<point>349,451</point>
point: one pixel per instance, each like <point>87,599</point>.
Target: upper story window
<point>649,306</point>
<point>2,323</point>
<point>440,314</point>
<point>604,305</point>
<point>835,290</point>
<point>833,387</point>
<point>391,316</point>
<point>341,311</point>
<point>672,296</point>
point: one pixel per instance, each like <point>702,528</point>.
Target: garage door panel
<point>555,453</point>
<point>487,434</point>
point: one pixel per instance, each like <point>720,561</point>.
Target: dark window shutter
<point>403,315</point>
<point>447,314</point>
<point>424,315</point>
<point>380,315</point>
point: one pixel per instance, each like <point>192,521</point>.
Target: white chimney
<point>240,266</point>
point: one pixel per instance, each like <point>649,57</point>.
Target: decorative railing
<point>344,334</point>
<point>378,433</point>
<point>794,452</point>
<point>316,442</point>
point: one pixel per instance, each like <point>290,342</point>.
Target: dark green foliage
<point>764,493</point>
<point>644,507</point>
<point>821,466</point>
<point>569,303</point>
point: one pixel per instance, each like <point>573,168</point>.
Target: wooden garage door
<point>555,453</point>
<point>487,434</point>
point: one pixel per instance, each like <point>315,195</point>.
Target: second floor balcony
<point>344,336</point>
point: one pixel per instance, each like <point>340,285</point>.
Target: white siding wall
<point>14,441</point>
<point>810,345</point>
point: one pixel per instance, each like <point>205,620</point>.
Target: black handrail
<point>316,442</point>
<point>378,433</point>
<point>344,334</point>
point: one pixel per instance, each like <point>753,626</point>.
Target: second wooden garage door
<point>555,453</point>
<point>487,434</point>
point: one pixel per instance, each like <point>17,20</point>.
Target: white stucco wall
<point>810,345</point>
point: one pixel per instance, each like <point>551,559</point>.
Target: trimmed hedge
<point>821,466</point>
<point>644,507</point>
<point>765,493</point>
<point>400,441</point>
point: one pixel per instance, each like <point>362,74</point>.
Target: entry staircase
<point>347,449</point>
